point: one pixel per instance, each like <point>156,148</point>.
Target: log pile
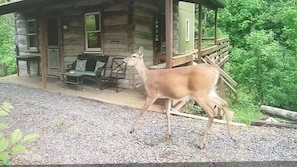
<point>271,112</point>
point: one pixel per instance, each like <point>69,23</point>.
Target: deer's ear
<point>140,50</point>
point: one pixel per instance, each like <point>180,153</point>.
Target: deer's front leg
<point>148,102</point>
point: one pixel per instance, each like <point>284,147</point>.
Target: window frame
<point>87,49</point>
<point>187,30</point>
<point>29,34</point>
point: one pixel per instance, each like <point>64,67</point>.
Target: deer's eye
<point>133,56</point>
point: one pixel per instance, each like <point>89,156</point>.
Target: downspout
<point>216,26</point>
<point>199,34</point>
<point>193,28</point>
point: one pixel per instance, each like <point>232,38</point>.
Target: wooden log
<point>291,115</point>
<point>204,118</point>
<point>272,124</point>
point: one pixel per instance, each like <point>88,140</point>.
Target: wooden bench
<point>91,66</point>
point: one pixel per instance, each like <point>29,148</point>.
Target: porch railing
<point>216,54</point>
<point>219,52</point>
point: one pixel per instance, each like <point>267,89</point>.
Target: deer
<point>197,81</point>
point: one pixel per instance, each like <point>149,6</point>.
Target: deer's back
<point>182,81</point>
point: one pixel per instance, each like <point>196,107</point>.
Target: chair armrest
<point>70,67</point>
<point>100,72</point>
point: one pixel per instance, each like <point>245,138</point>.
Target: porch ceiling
<point>24,5</point>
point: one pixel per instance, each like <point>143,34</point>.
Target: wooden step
<point>179,106</point>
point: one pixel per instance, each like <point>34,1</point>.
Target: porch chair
<point>91,66</point>
<point>117,72</point>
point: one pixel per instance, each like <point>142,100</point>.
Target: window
<point>187,30</point>
<point>93,31</point>
<point>32,34</point>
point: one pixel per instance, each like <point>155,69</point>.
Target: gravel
<point>74,130</point>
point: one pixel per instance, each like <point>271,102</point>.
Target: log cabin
<point>56,31</point>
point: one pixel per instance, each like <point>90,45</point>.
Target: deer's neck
<point>142,70</point>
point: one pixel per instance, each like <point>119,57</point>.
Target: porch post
<point>199,34</point>
<point>169,27</point>
<point>42,33</point>
<point>216,26</point>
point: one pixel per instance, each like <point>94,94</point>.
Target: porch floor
<point>128,97</point>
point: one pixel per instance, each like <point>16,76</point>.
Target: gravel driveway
<point>79,131</point>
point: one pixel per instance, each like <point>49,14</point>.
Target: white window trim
<point>30,34</point>
<point>86,36</point>
<point>187,30</point>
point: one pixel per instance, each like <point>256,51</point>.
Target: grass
<point>245,111</point>
<point>193,109</point>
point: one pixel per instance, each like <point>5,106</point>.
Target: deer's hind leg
<point>205,104</point>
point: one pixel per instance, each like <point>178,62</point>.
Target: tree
<point>7,54</point>
<point>290,25</point>
<point>263,36</point>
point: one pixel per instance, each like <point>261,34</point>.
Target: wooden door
<point>53,53</point>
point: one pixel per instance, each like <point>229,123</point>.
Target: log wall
<point>117,28</point>
<point>126,25</point>
<point>21,42</point>
<point>143,18</point>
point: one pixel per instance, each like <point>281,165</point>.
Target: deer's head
<point>135,58</point>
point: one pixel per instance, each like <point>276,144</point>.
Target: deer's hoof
<point>168,136</point>
<point>201,146</point>
<point>132,130</point>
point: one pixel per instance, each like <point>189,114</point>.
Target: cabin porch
<point>128,97</point>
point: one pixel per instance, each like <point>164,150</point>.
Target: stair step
<point>179,106</point>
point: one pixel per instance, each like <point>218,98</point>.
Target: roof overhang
<point>22,5</point>
<point>16,5</point>
<point>211,4</point>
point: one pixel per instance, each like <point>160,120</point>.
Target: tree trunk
<point>3,71</point>
<point>272,124</point>
<point>291,115</point>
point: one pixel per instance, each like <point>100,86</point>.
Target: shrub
<point>16,142</point>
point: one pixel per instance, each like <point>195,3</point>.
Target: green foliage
<point>207,23</point>
<point>255,65</point>
<point>290,25</point>
<point>193,109</point>
<point>16,142</point>
<point>7,53</point>
<point>267,69</point>
<point>263,36</point>
<point>239,17</point>
<point>244,110</point>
